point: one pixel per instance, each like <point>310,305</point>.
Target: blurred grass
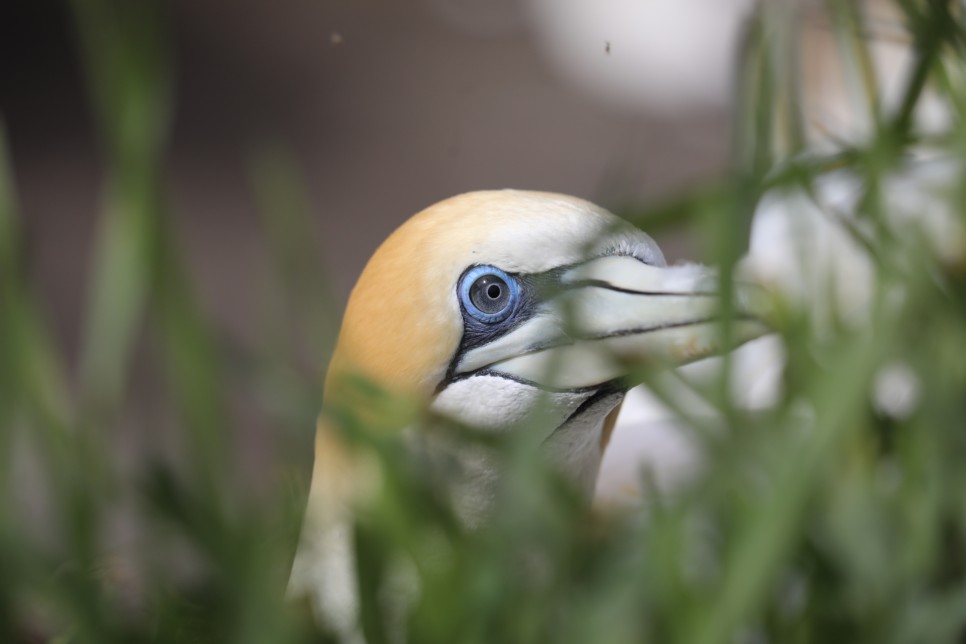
<point>844,524</point>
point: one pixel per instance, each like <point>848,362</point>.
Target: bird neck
<point>568,426</point>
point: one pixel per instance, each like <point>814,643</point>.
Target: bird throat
<point>565,427</point>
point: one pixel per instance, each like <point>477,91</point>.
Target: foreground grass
<point>843,523</point>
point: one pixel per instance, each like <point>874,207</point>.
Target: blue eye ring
<point>502,288</point>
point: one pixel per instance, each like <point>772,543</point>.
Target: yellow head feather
<point>402,324</point>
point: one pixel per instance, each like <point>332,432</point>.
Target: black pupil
<point>490,294</point>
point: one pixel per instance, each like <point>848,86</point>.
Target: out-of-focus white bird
<point>503,310</point>
<point>802,245</point>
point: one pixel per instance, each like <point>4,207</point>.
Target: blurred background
<point>195,185</point>
<point>383,108</point>
<point>387,107</point>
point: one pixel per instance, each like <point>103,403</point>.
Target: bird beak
<point>609,313</point>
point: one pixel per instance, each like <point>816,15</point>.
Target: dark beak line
<point>567,340</point>
<point>613,334</point>
<point>553,344</point>
<point>630,291</point>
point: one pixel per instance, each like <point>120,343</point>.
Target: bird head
<point>490,305</point>
<point>506,311</point>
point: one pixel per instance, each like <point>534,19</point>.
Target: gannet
<point>500,309</point>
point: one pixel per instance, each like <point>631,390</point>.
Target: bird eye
<point>488,294</point>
